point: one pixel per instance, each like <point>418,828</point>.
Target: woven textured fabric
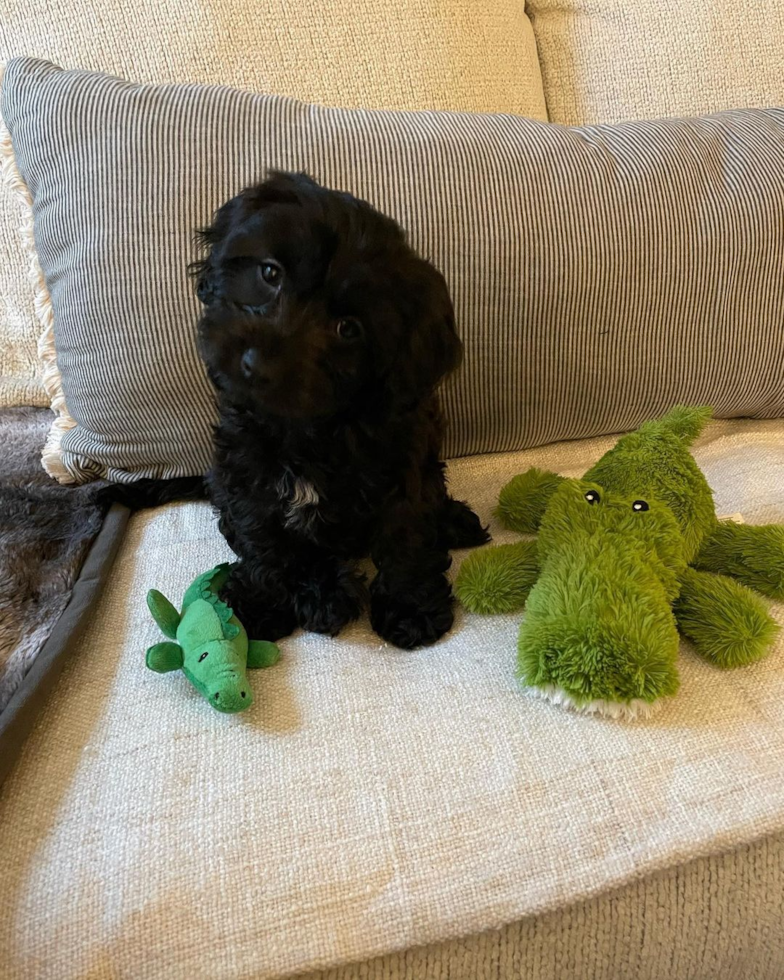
<point>372,800</point>
<point>607,60</point>
<point>386,54</point>
<point>599,275</point>
<point>717,918</point>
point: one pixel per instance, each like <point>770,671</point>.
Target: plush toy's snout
<point>599,632</point>
<point>230,693</point>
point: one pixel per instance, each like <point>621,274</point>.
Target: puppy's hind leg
<point>459,527</point>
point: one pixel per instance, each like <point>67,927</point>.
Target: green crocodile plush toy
<point>625,559</point>
<point>212,647</point>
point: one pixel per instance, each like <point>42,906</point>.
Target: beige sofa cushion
<point>607,60</point>
<point>417,54</point>
<point>370,799</point>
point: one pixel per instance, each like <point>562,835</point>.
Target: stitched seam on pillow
<point>51,458</point>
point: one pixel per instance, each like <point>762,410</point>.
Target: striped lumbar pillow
<point>600,274</point>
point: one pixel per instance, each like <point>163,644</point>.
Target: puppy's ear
<point>279,188</point>
<point>203,270</point>
<point>430,348</point>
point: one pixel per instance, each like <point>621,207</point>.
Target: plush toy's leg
<point>725,621</point>
<point>523,500</point>
<point>163,657</point>
<point>498,580</point>
<point>754,554</point>
<point>262,653</point>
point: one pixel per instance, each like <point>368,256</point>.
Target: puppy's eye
<point>271,273</point>
<point>349,328</point>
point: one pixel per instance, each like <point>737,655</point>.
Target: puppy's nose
<point>252,365</point>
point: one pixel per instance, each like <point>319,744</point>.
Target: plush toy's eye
<point>203,655</point>
<point>592,497</point>
<point>639,505</point>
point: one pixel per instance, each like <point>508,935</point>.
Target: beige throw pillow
<point>599,274</point>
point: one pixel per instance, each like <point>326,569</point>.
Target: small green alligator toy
<point>212,648</point>
<point>626,558</point>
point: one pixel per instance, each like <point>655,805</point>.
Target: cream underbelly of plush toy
<point>625,560</point>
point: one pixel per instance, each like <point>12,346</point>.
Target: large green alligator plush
<point>625,559</point>
<point>212,648</point>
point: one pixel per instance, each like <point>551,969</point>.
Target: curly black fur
<point>326,336</point>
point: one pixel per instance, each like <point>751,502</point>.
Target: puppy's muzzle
<point>255,367</point>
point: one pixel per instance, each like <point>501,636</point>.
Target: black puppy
<point>325,336</point>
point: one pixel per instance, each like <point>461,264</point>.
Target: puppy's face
<point>314,304</point>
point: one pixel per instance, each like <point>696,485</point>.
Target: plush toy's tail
<point>684,421</point>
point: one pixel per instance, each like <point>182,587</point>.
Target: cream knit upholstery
<point>373,800</point>
<point>716,918</point>
<point>606,60</point>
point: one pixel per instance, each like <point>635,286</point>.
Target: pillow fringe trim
<point>52,458</point>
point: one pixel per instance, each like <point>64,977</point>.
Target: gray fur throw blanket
<point>45,533</point>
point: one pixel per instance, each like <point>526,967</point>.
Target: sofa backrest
<point>389,54</point>
<point>608,60</point>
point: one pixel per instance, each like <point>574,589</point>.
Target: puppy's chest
<point>299,500</point>
<point>323,510</point>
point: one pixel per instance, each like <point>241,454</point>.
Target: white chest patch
<point>301,500</point>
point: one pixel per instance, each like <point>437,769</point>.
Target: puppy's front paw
<point>326,607</point>
<point>261,622</point>
<point>273,624</point>
<point>410,621</point>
